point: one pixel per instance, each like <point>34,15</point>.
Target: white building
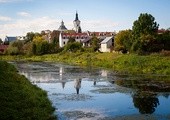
<point>79,37</point>
<point>107,44</point>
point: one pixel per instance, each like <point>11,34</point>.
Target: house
<point>101,35</point>
<point>10,39</point>
<point>107,44</point>
<point>3,48</point>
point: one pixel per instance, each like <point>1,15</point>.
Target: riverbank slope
<point>20,100</point>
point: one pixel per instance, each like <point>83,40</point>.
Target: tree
<point>95,43</point>
<point>123,41</point>
<point>164,40</point>
<point>30,36</point>
<point>144,26</point>
<point>15,47</point>
<point>73,47</point>
<point>1,41</point>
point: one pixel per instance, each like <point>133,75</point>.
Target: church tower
<point>62,27</point>
<point>76,23</point>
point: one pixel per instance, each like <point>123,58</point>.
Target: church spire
<point>77,16</point>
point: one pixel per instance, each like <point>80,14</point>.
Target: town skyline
<point>17,17</point>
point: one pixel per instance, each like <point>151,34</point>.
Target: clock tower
<point>76,23</point>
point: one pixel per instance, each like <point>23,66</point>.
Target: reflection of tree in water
<point>145,102</point>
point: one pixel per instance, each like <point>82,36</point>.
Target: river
<point>80,93</point>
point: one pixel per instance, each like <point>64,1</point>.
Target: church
<point>106,38</point>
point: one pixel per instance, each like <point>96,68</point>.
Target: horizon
<point>18,17</point>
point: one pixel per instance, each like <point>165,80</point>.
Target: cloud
<point>7,1</point>
<point>99,25</point>
<point>24,14</point>
<point>22,26</point>
<point>4,18</point>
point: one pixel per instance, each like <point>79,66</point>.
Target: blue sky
<point>17,17</point>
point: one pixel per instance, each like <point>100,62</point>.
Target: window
<point>64,43</point>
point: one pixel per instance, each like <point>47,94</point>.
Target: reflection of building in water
<point>104,73</point>
<point>38,77</point>
<point>61,71</point>
<point>77,85</point>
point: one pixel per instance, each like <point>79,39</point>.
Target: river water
<point>80,93</point>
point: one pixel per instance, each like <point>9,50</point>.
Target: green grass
<point>19,99</point>
<point>130,63</point>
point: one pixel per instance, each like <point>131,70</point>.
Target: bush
<point>73,47</point>
<point>12,50</point>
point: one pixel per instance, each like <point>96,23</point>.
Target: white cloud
<point>24,14</point>
<point>4,18</point>
<point>22,26</point>
<point>7,1</point>
<point>99,25</point>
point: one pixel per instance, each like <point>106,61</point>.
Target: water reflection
<point>145,102</point>
<point>77,85</point>
<point>98,90</point>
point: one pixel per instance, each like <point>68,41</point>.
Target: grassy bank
<point>19,99</point>
<point>133,64</point>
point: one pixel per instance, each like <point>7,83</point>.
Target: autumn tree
<point>123,41</point>
<point>144,31</point>
<point>40,46</point>
<point>30,36</point>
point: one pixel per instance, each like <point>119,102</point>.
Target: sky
<point>17,17</point>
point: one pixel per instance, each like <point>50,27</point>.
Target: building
<point>62,27</point>
<point>76,23</point>
<point>106,39</point>
<point>107,44</point>
<point>3,48</point>
<point>10,39</point>
<point>79,37</point>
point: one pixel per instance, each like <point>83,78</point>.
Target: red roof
<point>101,33</point>
<point>74,34</point>
<point>162,31</point>
<point>3,47</point>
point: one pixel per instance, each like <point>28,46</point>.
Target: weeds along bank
<point>129,63</point>
<point>20,100</point>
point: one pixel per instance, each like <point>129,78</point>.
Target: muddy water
<point>96,94</point>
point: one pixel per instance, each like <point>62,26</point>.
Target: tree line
<point>144,37</point>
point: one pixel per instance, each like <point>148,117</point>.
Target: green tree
<point>123,41</point>
<point>95,43</point>
<point>15,47</point>
<point>164,40</point>
<point>142,28</point>
<point>73,47</point>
